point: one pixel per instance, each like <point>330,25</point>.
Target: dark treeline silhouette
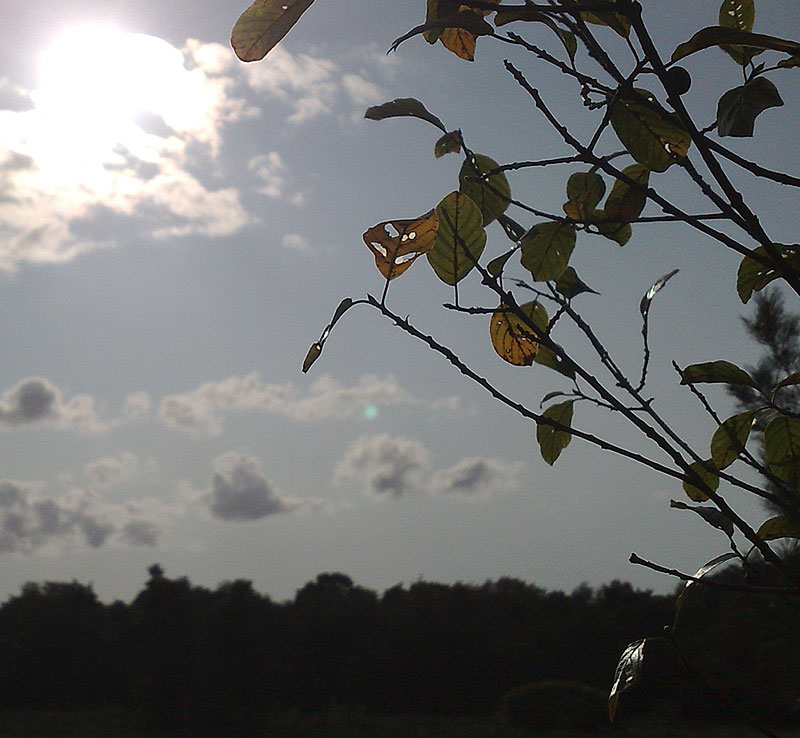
<point>191,657</point>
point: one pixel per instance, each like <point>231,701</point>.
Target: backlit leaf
<point>730,438</point>
<point>552,441</point>
<point>460,239</point>
<point>512,338</point>
<point>792,379</point>
<point>627,673</point>
<point>782,449</point>
<point>618,21</point>
<point>619,232</point>
<point>457,32</point>
<point>569,284</point>
<point>403,106</point>
<point>396,252</point>
<point>711,515</point>
<point>550,359</point>
<point>652,136</point>
<point>495,266</point>
<point>738,108</point>
<point>491,194</point>
<point>625,202</point>
<point>655,288</point>
<point>719,36</point>
<point>708,477</point>
<point>313,354</point>
<point>738,14</point>
<point>754,276</point>
<point>546,250</point>
<point>584,191</point>
<point>450,143</point>
<point>699,574</point>
<point>778,527</point>
<point>716,372</point>
<point>263,25</point>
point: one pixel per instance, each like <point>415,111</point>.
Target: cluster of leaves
<point>656,133</point>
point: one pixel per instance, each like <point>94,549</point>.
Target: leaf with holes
<point>738,14</point>
<point>782,449</point>
<point>553,440</point>
<point>704,470</point>
<point>491,194</point>
<point>716,372</point>
<point>730,438</point>
<point>584,191</point>
<point>738,108</point>
<point>546,250</point>
<point>652,136</point>
<point>402,107</point>
<point>263,25</point>
<point>396,252</point>
<point>627,673</point>
<point>626,202</point>
<point>450,143</point>
<point>458,32</point>
<point>460,239</point>
<point>549,358</point>
<point>512,337</point>
<point>778,527</point>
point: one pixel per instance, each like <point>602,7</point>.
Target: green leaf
<point>711,515</point>
<point>778,527</point>
<point>716,372</point>
<point>625,203</point>
<point>789,62</point>
<point>546,250</point>
<point>570,284</point>
<point>460,238</point>
<point>652,136</point>
<point>708,477</point>
<point>782,449</point>
<point>738,14</point>
<point>550,359</point>
<point>491,194</point>
<point>627,673</point>
<point>450,143</point>
<point>754,276</point>
<point>313,354</point>
<point>787,381</point>
<point>513,338</point>
<point>263,25</point>
<point>738,108</point>
<point>403,106</point>
<point>730,438</point>
<point>584,191</point>
<point>619,232</point>
<point>462,44</point>
<point>619,22</point>
<point>552,441</point>
<point>495,266</point>
<point>719,36</point>
<point>531,14</point>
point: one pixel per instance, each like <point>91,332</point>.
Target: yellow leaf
<point>394,253</point>
<point>512,338</point>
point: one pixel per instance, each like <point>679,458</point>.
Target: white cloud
<point>35,400</point>
<point>110,471</point>
<point>296,242</point>
<point>361,91</point>
<point>475,478</point>
<point>136,407</point>
<point>271,169</point>
<point>387,466</point>
<point>240,491</point>
<point>200,410</point>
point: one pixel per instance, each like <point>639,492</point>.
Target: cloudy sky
<point>176,228</point>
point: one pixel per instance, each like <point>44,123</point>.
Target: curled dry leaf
<point>394,253</point>
<point>263,25</point>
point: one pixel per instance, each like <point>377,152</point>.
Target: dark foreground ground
<point>117,723</point>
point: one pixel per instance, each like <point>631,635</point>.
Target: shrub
<point>554,704</point>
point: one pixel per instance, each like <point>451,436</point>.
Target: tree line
<point>193,657</point>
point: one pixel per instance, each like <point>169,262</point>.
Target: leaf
<point>782,449</point>
<point>709,477</point>
<point>263,25</point>
<point>550,359</point>
<point>652,136</point>
<point>711,515</point>
<point>619,22</point>
<point>546,250</point>
<point>699,574</point>
<point>730,438</point>
<point>738,108</point>
<point>787,381</point>
<point>460,239</point>
<point>569,284</point>
<point>491,194</point>
<point>789,62</point>
<point>778,527</point>
<point>457,32</point>
<point>513,229</point>
<point>738,14</point>
<point>394,253</point>
<point>619,232</point>
<point>627,673</point>
<point>625,202</point>
<point>512,338</point>
<point>495,266</point>
<point>719,36</point>
<point>754,276</point>
<point>716,372</point>
<point>450,143</point>
<point>403,106</point>
<point>552,440</point>
<point>644,303</point>
<point>313,354</point>
<point>584,191</point>
<point>521,13</point>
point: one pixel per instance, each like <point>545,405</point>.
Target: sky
<point>177,227</point>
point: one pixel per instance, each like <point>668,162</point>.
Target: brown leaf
<point>394,253</point>
<point>263,25</point>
